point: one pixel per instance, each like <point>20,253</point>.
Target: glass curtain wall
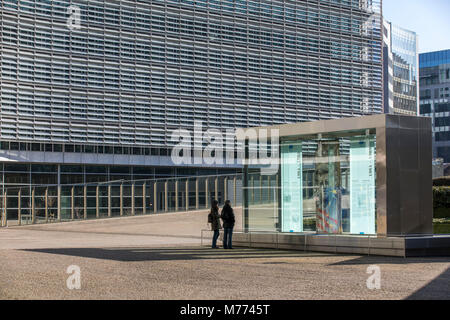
<point>42,203</point>
<point>325,184</point>
<point>404,52</point>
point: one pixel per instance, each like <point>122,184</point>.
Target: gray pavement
<point>160,257</point>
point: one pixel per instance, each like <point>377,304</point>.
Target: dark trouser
<point>215,237</point>
<point>227,238</point>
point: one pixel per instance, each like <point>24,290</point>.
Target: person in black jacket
<point>214,219</point>
<point>228,219</point>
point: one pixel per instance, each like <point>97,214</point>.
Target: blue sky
<point>430,19</point>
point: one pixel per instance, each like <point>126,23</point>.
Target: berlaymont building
<point>91,90</point>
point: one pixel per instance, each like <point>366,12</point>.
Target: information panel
<point>362,186</point>
<point>291,188</point>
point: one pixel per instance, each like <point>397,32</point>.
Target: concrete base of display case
<point>367,245</point>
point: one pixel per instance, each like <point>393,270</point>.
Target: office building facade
<point>435,99</point>
<point>91,90</point>
<point>401,72</point>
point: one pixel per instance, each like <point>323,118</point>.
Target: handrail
<point>121,181</point>
<point>139,196</point>
<point>306,246</point>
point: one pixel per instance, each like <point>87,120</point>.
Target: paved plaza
<point>160,257</point>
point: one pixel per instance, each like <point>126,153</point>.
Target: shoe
<point>216,247</point>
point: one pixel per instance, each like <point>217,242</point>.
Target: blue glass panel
<point>291,188</point>
<point>362,186</point>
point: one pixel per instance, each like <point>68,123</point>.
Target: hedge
<point>441,226</point>
<point>441,182</point>
<point>441,202</point>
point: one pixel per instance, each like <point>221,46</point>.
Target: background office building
<point>99,102</point>
<point>401,72</point>
<point>435,99</point>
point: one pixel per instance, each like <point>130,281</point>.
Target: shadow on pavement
<point>364,260</point>
<point>437,289</point>
<point>159,254</point>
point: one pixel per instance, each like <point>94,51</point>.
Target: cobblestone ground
<point>160,257</point>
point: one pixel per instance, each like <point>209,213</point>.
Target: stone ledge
<point>391,246</point>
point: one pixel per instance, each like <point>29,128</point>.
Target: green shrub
<point>441,182</point>
<point>441,202</point>
<point>441,226</point>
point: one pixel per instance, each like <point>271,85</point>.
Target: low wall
<point>392,246</point>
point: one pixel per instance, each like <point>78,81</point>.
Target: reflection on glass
<point>362,186</point>
<point>325,184</point>
<point>291,188</point>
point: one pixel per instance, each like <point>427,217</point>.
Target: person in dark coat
<point>214,219</point>
<point>228,219</point>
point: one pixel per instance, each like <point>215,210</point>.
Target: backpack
<point>210,218</point>
<point>225,215</point>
